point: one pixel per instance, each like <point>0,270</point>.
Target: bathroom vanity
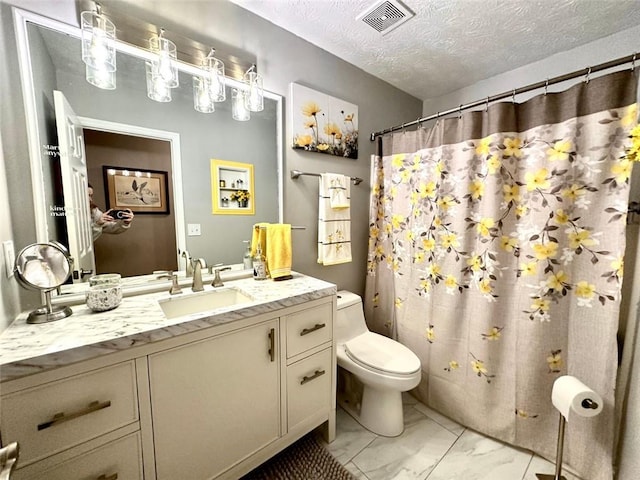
<point>191,386</point>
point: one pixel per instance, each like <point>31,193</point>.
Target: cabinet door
<point>215,402</point>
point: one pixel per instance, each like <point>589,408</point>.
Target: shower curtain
<point>495,254</point>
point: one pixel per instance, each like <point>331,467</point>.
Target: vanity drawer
<point>309,328</point>
<point>58,415</point>
<point>308,387</point>
<point>120,459</point>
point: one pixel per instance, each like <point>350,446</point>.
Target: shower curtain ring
<point>546,86</point>
<point>586,80</point>
<point>403,130</point>
<point>460,111</point>
<point>633,62</point>
<point>513,96</point>
<point>486,107</point>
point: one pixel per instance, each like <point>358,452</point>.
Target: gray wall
<point>282,58</point>
<point>202,137</point>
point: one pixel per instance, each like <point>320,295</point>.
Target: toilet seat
<point>380,353</point>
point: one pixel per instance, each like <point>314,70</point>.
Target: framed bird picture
<point>142,191</point>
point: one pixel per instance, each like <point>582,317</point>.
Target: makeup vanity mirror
<point>125,131</point>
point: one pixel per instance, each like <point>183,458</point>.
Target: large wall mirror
<point>125,130</point>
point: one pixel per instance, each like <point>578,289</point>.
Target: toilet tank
<point>350,319</point>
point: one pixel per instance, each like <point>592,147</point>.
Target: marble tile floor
<point>432,447</point>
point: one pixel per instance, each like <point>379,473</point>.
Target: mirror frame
<point>21,19</point>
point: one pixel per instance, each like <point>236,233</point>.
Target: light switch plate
<point>193,229</point>
<point>9,257</point>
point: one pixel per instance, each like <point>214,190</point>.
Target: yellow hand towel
<point>279,250</point>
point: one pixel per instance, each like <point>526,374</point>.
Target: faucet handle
<point>163,274</point>
<point>175,286</point>
<point>217,281</point>
<point>211,267</point>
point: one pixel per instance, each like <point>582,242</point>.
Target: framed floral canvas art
<point>322,123</point>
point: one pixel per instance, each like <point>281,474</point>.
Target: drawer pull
<point>61,417</point>
<point>272,344</point>
<point>317,326</point>
<point>318,373</point>
<point>110,477</point>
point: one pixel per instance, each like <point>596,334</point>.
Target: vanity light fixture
<point>254,98</point>
<point>239,109</point>
<point>98,48</point>
<point>156,89</point>
<point>202,100</point>
<point>215,77</point>
<point>162,74</point>
<point>100,78</point>
<point>164,68</point>
<point>210,86</point>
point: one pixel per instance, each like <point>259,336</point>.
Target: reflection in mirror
<point>123,128</point>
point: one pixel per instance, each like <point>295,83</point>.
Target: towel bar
<point>293,227</point>
<point>296,173</point>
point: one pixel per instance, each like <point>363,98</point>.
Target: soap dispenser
<point>259,265</point>
<point>247,261</point>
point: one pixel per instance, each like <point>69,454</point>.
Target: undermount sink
<point>202,302</point>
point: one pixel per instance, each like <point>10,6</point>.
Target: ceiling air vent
<point>385,15</point>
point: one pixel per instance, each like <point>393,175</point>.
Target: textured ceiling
<point>449,44</point>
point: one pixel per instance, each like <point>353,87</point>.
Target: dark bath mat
<point>306,459</point>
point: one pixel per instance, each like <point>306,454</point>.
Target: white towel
<point>334,223</point>
<point>338,187</point>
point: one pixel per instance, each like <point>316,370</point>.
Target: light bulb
<point>165,66</point>
<point>98,41</point>
<point>98,49</point>
<point>160,87</point>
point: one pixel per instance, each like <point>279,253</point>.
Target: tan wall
<point>150,243</point>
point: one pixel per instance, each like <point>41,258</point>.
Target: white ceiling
<point>449,44</point>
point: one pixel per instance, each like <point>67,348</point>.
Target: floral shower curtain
<point>496,255</point>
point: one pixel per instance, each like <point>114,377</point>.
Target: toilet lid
<point>382,353</point>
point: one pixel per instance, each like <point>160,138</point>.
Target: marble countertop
<point>26,349</point>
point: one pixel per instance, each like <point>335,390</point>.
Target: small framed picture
<point>142,191</point>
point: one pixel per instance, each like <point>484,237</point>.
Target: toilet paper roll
<point>571,395</point>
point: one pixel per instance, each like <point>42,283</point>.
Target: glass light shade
<point>202,99</point>
<point>164,65</point>
<point>98,41</point>
<point>254,98</point>
<point>156,89</point>
<point>239,110</point>
<point>100,78</point>
<point>216,81</point>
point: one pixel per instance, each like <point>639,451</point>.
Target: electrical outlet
<point>193,229</point>
<point>9,257</point>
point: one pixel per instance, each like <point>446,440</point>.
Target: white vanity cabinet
<point>210,402</point>
<point>215,402</point>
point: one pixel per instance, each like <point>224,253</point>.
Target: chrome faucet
<point>197,265</point>
<point>217,281</point>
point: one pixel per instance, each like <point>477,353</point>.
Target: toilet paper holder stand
<point>586,403</point>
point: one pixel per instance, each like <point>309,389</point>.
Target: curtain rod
<point>550,81</point>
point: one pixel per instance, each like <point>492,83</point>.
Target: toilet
<point>384,367</point>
